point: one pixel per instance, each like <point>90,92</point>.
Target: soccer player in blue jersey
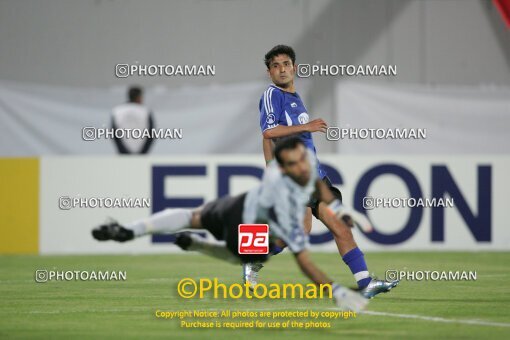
<point>282,114</point>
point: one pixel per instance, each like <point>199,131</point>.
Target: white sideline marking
<point>439,319</point>
<point>395,315</point>
<point>404,316</point>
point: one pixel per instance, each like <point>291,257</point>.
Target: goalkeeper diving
<point>279,201</point>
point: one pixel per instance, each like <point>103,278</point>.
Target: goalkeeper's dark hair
<point>276,51</point>
<point>287,143</point>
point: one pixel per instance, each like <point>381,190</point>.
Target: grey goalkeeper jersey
<point>281,203</point>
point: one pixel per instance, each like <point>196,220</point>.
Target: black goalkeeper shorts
<point>221,218</point>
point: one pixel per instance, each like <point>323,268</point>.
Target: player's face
<point>296,165</point>
<point>282,70</point>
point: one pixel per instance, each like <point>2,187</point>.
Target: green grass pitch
<point>116,309</point>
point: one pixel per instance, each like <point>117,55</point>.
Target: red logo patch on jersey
<point>253,239</point>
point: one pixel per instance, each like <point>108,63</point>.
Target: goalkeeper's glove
<point>347,214</point>
<point>347,299</point>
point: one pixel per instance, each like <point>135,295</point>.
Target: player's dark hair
<point>134,93</point>
<point>277,50</point>
<point>287,143</point>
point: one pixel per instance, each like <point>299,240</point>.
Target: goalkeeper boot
<point>251,273</point>
<point>183,240</point>
<point>112,231</point>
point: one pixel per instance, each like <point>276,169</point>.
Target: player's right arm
<point>272,111</point>
<point>345,298</point>
<point>294,236</point>
<point>316,125</point>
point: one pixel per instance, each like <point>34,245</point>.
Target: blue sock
<point>276,250</point>
<point>356,262</point>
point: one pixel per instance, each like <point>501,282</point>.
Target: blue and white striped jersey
<point>278,107</point>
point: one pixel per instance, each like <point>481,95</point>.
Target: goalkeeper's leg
<point>166,221</point>
<point>217,249</point>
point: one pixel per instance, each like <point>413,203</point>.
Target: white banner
<point>478,186</point>
<point>457,119</point>
<point>49,120</point>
